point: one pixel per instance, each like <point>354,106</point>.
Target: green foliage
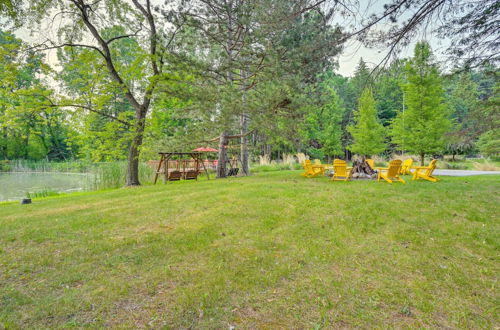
<point>368,133</point>
<point>42,193</point>
<point>275,167</point>
<point>10,8</point>
<point>321,129</point>
<point>281,76</point>
<point>5,165</point>
<point>422,126</point>
<point>29,127</point>
<point>489,142</point>
<point>86,80</point>
<point>331,119</point>
<point>388,92</point>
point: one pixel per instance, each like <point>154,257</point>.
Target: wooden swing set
<point>189,169</point>
<point>177,169</point>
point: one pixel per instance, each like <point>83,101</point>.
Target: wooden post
<point>165,180</point>
<point>221,164</point>
<point>162,157</point>
<point>165,168</point>
<point>204,168</point>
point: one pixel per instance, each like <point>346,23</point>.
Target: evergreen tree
<point>463,99</point>
<point>357,84</point>
<point>361,79</point>
<point>422,127</point>
<point>331,116</point>
<point>489,141</point>
<point>368,133</point>
<point>388,92</point>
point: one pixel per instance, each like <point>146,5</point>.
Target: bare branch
<point>123,36</point>
<point>43,47</point>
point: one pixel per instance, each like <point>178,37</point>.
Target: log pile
<point>361,170</point>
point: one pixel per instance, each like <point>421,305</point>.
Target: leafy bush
<point>452,166</point>
<point>489,143</point>
<point>5,166</point>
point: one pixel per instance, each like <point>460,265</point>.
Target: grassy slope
<point>269,251</point>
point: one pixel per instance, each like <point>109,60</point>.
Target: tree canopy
<point>136,77</point>
<point>367,132</point>
<point>422,126</point>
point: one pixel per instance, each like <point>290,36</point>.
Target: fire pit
<point>361,170</point>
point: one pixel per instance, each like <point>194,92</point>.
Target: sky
<point>354,50</point>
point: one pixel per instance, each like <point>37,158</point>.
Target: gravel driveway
<point>463,172</point>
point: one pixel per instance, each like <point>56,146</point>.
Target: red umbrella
<point>205,149</point>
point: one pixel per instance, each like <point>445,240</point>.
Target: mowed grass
<point>270,251</point>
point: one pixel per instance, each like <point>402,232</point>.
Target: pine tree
<point>422,127</point>
<point>357,84</point>
<point>331,135</point>
<point>368,133</point>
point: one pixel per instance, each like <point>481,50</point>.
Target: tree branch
<point>52,105</point>
<point>123,36</point>
<point>105,52</point>
<point>43,47</point>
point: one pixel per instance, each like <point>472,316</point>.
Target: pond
<point>14,186</point>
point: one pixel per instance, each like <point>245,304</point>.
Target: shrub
<point>451,166</point>
<point>5,166</point>
<point>489,143</point>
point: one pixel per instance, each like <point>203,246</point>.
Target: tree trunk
<point>221,163</point>
<point>244,144</point>
<point>244,128</point>
<point>422,159</point>
<point>3,146</point>
<point>133,155</point>
<point>26,144</point>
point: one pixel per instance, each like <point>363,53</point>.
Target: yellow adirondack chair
<point>391,172</point>
<point>340,170</point>
<point>425,172</point>
<point>309,170</point>
<point>318,167</point>
<point>371,162</point>
<point>405,168</point>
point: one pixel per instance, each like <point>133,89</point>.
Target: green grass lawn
<point>274,250</point>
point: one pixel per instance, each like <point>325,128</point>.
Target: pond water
<point>14,186</point>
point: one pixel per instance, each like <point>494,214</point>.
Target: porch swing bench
<point>175,170</point>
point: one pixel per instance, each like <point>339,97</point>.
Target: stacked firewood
<point>361,170</point>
